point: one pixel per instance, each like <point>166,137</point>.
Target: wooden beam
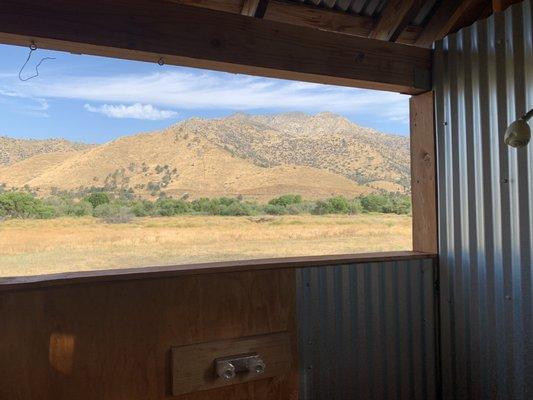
<point>394,18</point>
<point>197,37</point>
<point>423,173</point>
<point>231,6</point>
<point>445,19</point>
<point>254,8</point>
<point>173,271</point>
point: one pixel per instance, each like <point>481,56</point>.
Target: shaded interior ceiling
<point>413,22</point>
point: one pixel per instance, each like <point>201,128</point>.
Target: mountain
<point>13,150</point>
<point>325,141</point>
<point>254,156</point>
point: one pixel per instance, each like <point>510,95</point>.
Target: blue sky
<point>96,99</point>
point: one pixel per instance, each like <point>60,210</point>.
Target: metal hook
<point>33,47</point>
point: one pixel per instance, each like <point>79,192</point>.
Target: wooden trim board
<point>70,278</point>
<point>193,369</point>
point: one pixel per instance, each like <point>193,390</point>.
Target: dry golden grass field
<point>32,247</point>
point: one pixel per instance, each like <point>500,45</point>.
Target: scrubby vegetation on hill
<point>13,150</point>
<point>122,209</point>
<point>325,140</point>
<point>257,156</point>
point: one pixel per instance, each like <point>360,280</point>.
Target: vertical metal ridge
<point>367,331</point>
<point>483,81</point>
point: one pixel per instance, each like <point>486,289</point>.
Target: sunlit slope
<point>252,156</point>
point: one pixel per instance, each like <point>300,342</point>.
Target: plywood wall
<point>111,341</point>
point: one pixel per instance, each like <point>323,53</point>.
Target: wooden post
<point>423,173</point>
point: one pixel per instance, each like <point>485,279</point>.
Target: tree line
<point>19,204</point>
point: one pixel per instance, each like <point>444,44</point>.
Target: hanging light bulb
<point>518,134</point>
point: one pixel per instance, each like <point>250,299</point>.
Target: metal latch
<point>227,367</point>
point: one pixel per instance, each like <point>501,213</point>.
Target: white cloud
<point>27,104</point>
<point>190,90</point>
<point>135,111</point>
<point>184,89</point>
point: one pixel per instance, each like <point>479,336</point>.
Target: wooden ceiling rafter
<point>501,5</point>
<point>450,16</point>
<point>307,15</point>
<point>394,18</point>
<point>393,24</point>
<point>231,6</point>
<point>254,8</point>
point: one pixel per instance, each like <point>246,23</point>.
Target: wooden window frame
<point>159,30</point>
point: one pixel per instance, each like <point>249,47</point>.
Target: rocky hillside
<point>242,155</point>
<point>13,150</point>
<point>325,141</point>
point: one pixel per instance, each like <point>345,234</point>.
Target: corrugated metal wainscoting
<point>367,331</point>
<point>484,81</point>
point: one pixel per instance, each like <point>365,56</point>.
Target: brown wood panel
<point>193,365</point>
<point>199,37</point>
<point>423,173</point>
<point>111,275</point>
<point>112,341</point>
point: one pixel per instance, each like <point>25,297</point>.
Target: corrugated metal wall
<point>367,331</point>
<point>483,81</point>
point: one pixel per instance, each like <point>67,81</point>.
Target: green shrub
<point>272,209</point>
<point>225,206</point>
<point>375,203</point>
<point>79,209</point>
<point>321,207</point>
<point>64,206</point>
<point>169,207</point>
<point>124,207</point>
<point>286,200</point>
<point>202,205</point>
<point>387,203</point>
<point>104,210</point>
<point>236,209</point>
<point>98,198</point>
<point>142,208</point>
<point>355,207</point>
<point>339,205</point>
<point>336,205</point>
<point>24,205</point>
<point>44,212</point>
<point>400,204</point>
